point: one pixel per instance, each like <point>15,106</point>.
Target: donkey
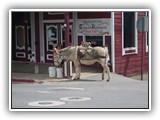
<point>78,56</point>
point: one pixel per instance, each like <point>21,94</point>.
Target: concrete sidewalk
<point>39,78</point>
<point>24,72</point>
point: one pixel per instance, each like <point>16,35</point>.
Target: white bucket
<point>59,72</point>
<point>52,71</point>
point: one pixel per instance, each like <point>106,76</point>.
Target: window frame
<point>129,50</point>
<point>147,35</point>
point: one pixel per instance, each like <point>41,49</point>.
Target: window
<point>20,37</point>
<point>95,40</point>
<point>129,37</point>
<point>55,13</point>
<point>52,36</point>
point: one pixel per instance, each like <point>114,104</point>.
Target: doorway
<point>54,36</point>
<point>21,36</point>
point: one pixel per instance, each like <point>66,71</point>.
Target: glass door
<point>51,40</point>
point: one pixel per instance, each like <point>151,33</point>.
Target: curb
<point>15,80</point>
<point>25,81</point>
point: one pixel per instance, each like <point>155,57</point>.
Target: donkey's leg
<point>77,69</point>
<point>108,71</point>
<point>101,62</point>
<point>103,74</point>
<point>105,68</point>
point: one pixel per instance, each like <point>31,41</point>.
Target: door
<point>54,35</point>
<point>51,40</point>
<point>22,42</point>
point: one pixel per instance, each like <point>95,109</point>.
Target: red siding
<point>47,16</point>
<point>128,64</point>
<point>91,15</point>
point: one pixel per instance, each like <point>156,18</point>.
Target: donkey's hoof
<point>108,80</point>
<point>75,78</point>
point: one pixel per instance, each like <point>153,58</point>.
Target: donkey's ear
<point>55,51</point>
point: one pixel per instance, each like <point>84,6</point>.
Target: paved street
<point>89,92</point>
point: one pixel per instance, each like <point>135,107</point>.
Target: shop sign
<point>94,26</point>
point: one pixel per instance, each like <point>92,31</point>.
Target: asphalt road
<point>120,92</point>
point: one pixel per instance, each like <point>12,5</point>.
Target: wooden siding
<point>92,15</point>
<point>128,64</point>
<point>47,16</point>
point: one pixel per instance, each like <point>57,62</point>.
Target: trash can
<point>52,71</point>
<point>59,71</point>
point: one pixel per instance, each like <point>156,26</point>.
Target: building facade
<point>35,34</point>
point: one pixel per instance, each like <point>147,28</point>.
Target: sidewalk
<point>41,78</point>
<point>24,72</point>
<point>138,77</point>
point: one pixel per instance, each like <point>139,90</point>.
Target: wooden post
<point>142,56</point>
<point>74,36</point>
<point>142,50</point>
<point>66,19</point>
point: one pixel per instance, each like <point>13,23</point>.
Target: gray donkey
<point>84,54</point>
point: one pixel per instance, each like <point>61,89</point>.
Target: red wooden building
<point>34,34</point>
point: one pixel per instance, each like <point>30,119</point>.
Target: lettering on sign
<point>94,26</point>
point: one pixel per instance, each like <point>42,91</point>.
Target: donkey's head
<point>57,57</point>
<point>60,55</point>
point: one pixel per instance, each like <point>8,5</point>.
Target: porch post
<point>74,36</point>
<point>112,42</point>
<point>66,22</point>
<point>33,59</point>
<point>37,43</point>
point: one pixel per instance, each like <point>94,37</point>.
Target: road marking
<point>75,98</point>
<point>46,103</point>
<point>43,92</point>
<point>64,88</point>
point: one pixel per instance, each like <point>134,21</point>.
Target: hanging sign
<point>94,26</point>
<point>143,24</point>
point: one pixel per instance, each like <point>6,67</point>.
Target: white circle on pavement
<point>75,98</point>
<point>65,88</point>
<point>45,103</point>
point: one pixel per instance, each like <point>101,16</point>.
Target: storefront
<point>35,34</point>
